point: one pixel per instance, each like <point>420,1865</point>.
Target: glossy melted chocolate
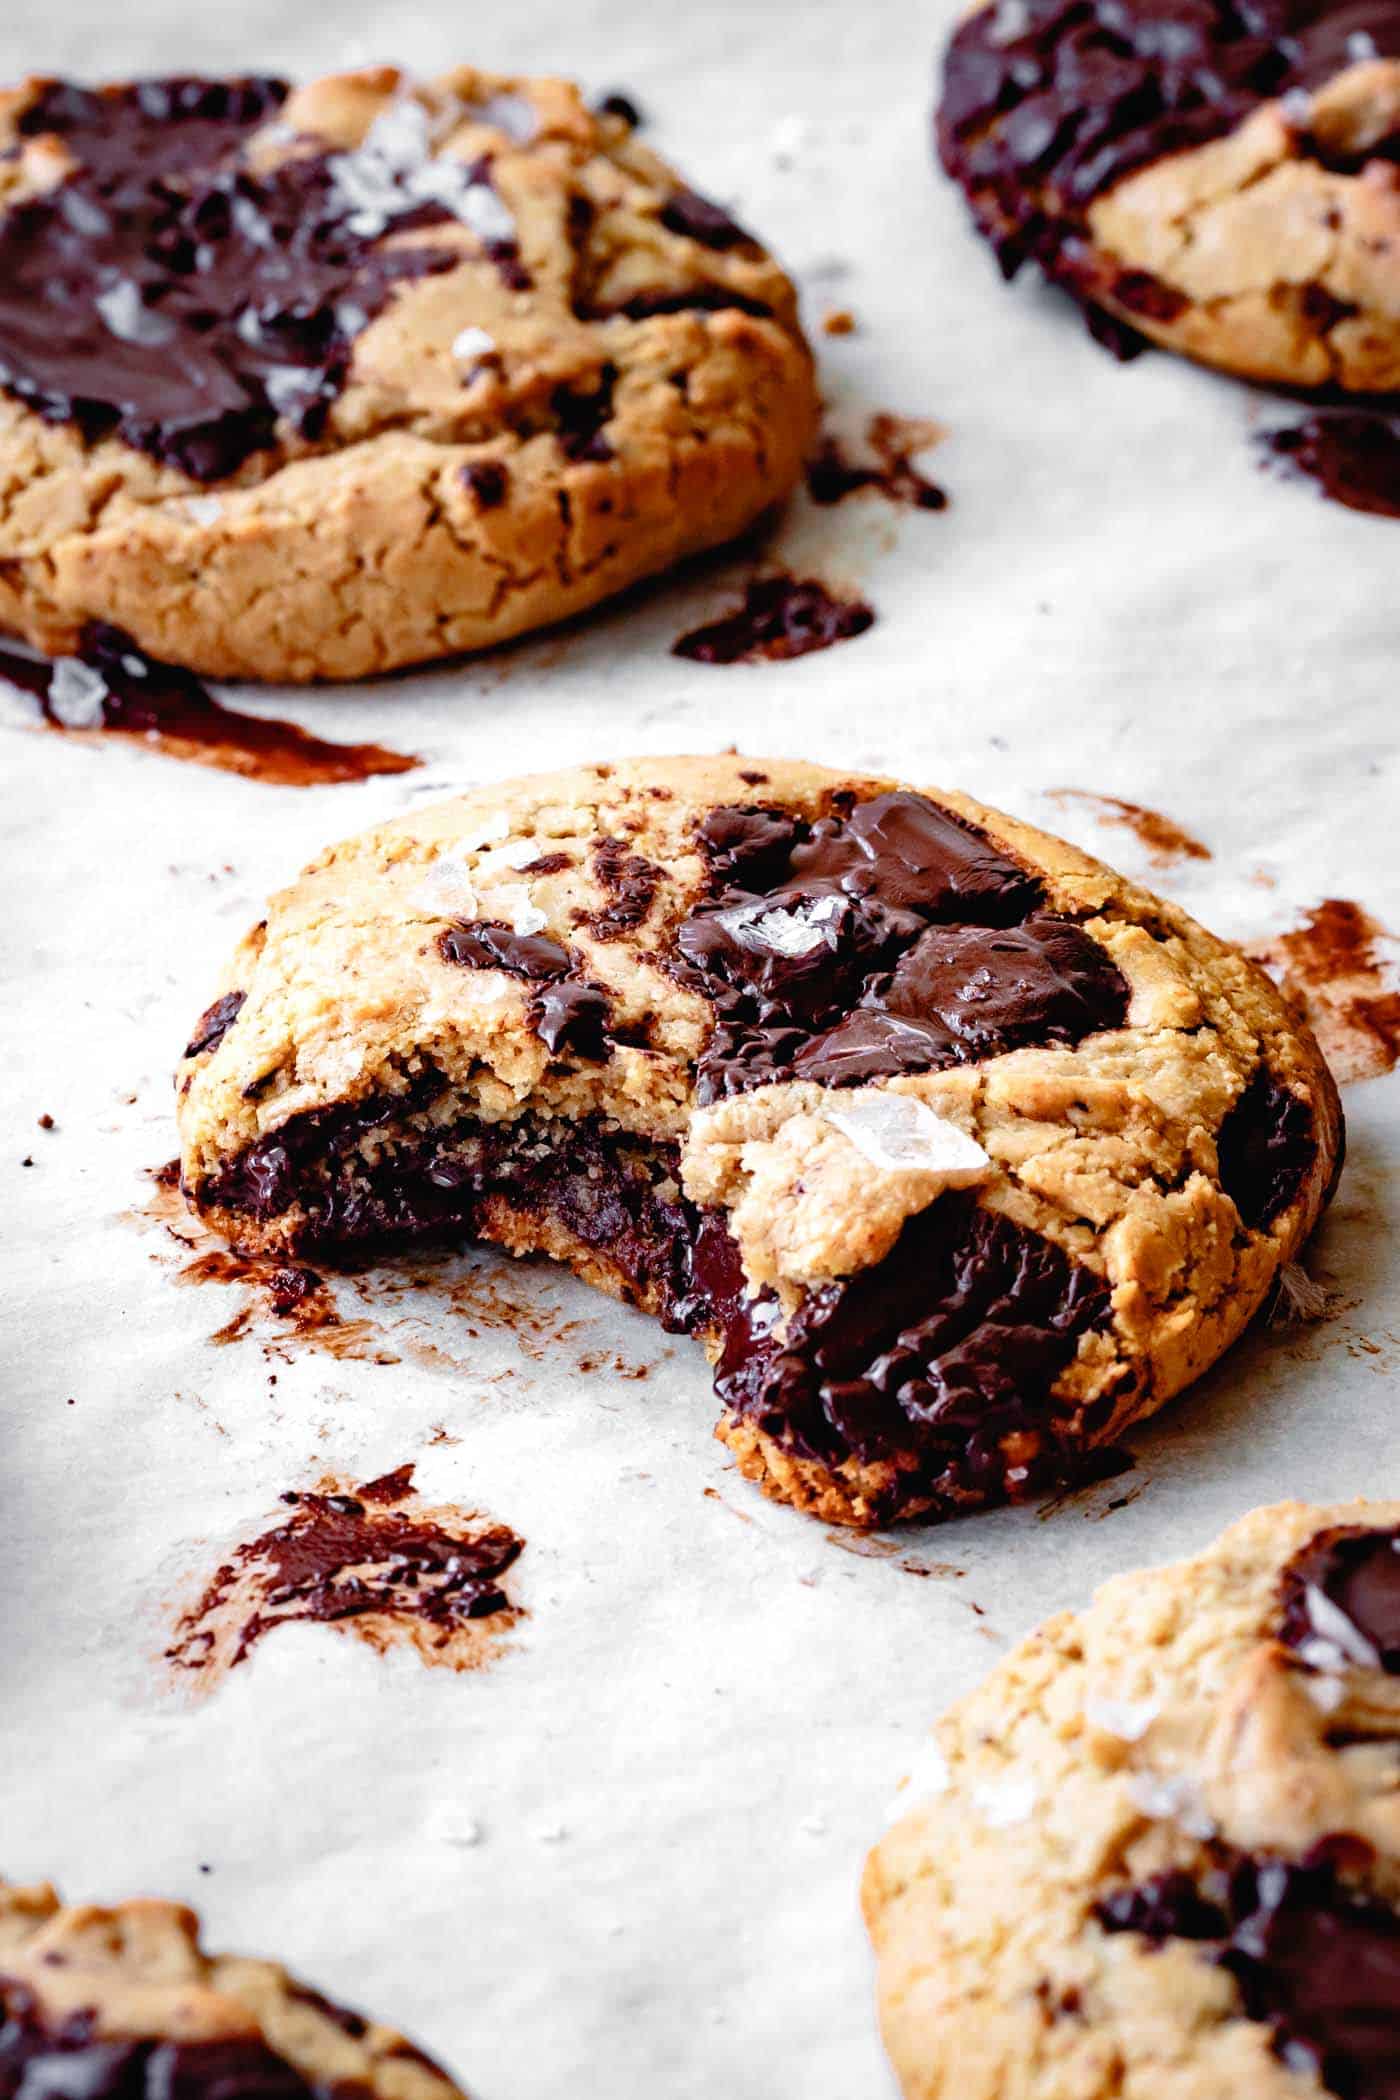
<point>568,1013</point>
<point>343,1556</point>
<point>942,1357</point>
<point>780,617</point>
<point>1357,1571</point>
<point>113,686</point>
<point>167,293</point>
<point>886,938</point>
<point>1266,1147</point>
<point>1352,455</point>
<point>1315,1960</point>
<point>67,2058</point>
<point>1047,103</point>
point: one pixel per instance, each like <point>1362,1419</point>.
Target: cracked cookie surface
<point>316,382</point>
<point>123,2003</point>
<point>958,1151</point>
<point>1219,179</point>
<point>1158,1851</point>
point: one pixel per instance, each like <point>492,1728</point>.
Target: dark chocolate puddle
<point>371,1560</point>
<point>113,688</point>
<point>1351,456</point>
<point>780,617</point>
<point>833,475</point>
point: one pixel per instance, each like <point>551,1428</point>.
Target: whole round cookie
<point>124,2004</point>
<point>1219,178</point>
<point>960,1152</point>
<point>311,383</point>
<point>1159,1850</point>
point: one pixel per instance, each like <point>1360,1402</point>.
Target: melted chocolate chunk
<point>942,1356</point>
<point>574,1016</point>
<point>342,1557</point>
<point>780,617</point>
<point>1266,1146</point>
<point>214,1023</point>
<point>488,481</point>
<point>1047,103</point>
<point>165,293</point>
<point>694,299</point>
<point>1357,1571</point>
<point>114,686</point>
<point>581,416</point>
<point>483,944</point>
<point>569,1014</point>
<point>1316,1961</point>
<point>700,219</point>
<point>65,2057</point>
<point>892,938</point>
<point>1352,455</point>
<point>632,881</point>
<point>960,994</point>
<point>616,104</point>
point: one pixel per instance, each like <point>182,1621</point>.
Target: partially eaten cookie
<point>958,1152</point>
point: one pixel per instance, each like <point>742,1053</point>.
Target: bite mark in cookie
<point>1219,179</point>
<point>957,1152</point>
<point>312,383</point>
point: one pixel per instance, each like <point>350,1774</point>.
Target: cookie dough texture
<point>1106,1147</point>
<point>441,510</point>
<point>1272,251</point>
<point>1137,1739</point>
<point>136,1972</point>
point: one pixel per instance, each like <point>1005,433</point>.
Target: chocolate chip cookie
<point>1218,178</point>
<point>124,2004</point>
<point>1159,1849</point>
<point>959,1152</point>
<point>310,383</point>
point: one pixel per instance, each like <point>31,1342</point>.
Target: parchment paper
<point>677,1768</point>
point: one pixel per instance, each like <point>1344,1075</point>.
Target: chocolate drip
<point>111,685</point>
<point>1266,1146</point>
<point>942,1357</point>
<point>885,939</point>
<point>1356,1569</point>
<point>1315,1960</point>
<point>66,2057</point>
<point>166,293</point>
